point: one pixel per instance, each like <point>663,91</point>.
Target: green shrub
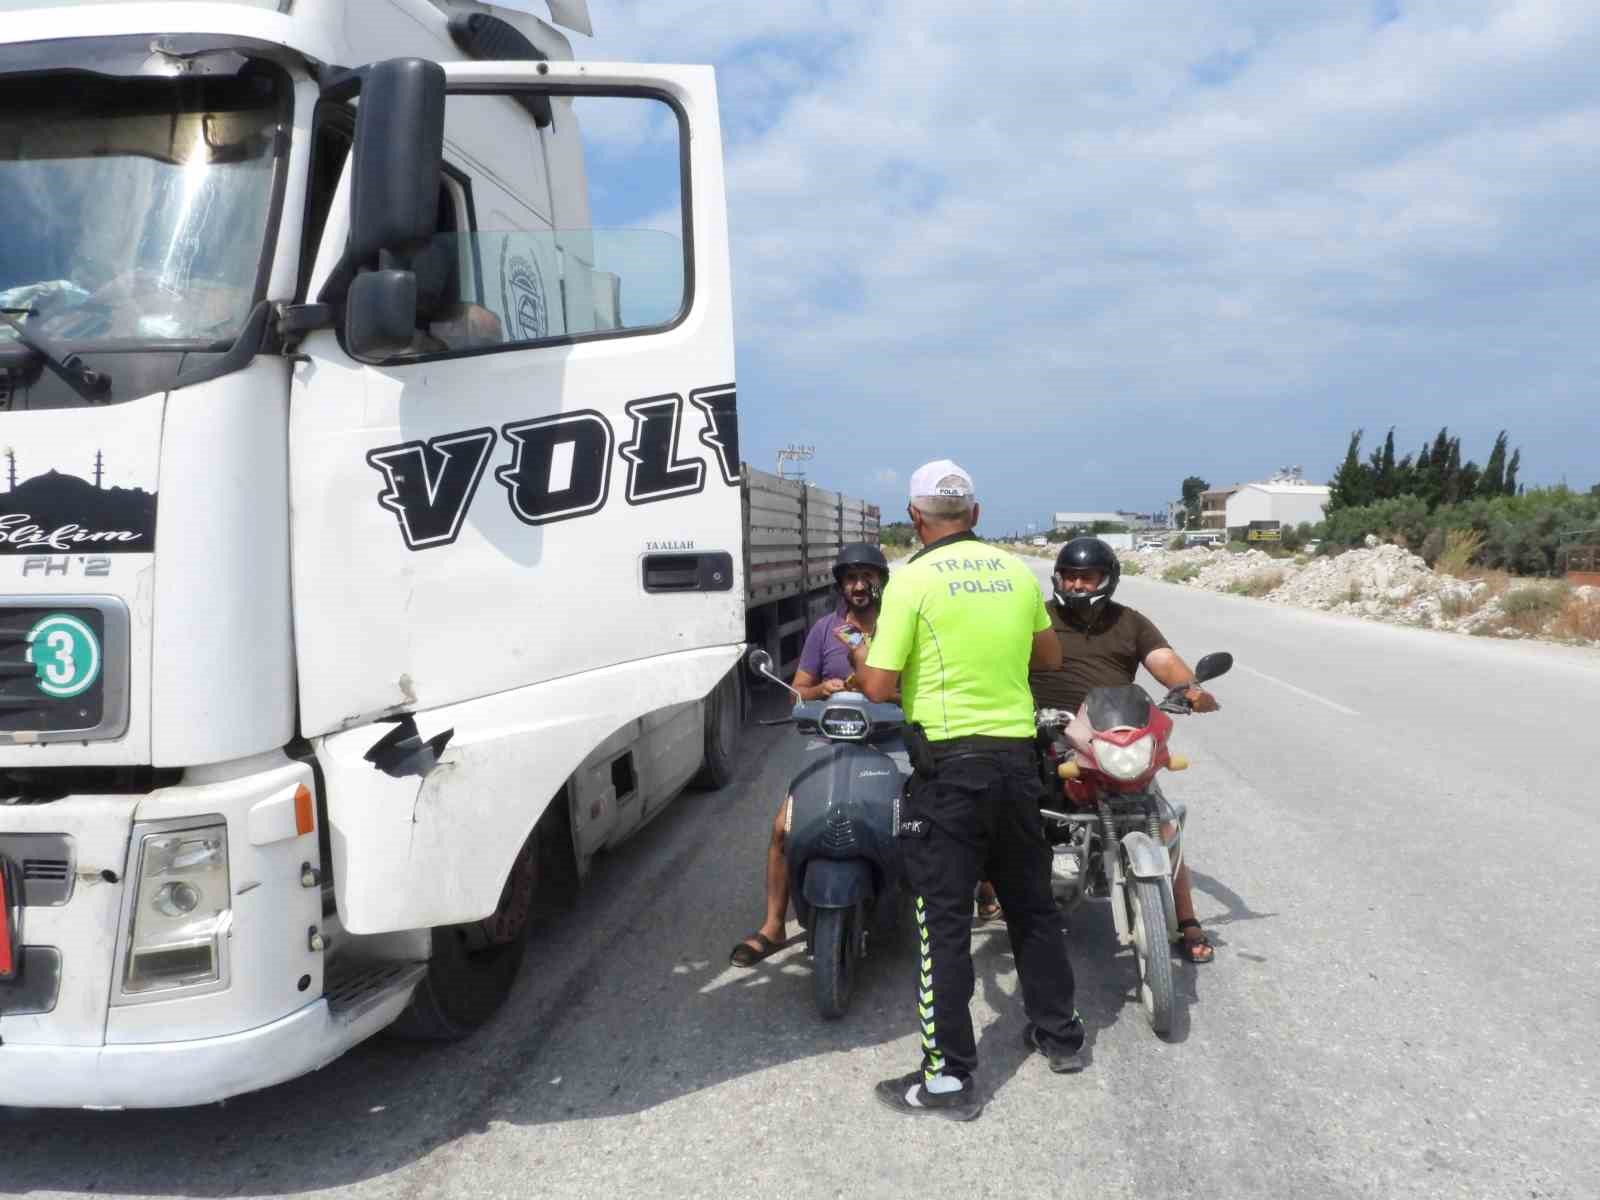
<point>1132,566</point>
<point>1258,584</point>
<point>1175,543</point>
<point>1181,572</point>
<point>1535,601</point>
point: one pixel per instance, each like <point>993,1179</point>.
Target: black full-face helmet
<point>1087,554</point>
<point>861,554</point>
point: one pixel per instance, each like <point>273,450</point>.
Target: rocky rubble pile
<point>1380,581</point>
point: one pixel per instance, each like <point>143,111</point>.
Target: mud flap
<point>832,883</point>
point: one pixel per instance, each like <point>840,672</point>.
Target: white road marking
<point>1349,712</point>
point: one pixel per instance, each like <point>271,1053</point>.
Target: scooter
<point>841,815</point>
<point>1108,842</point>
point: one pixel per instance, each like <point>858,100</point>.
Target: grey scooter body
<point>840,848</point>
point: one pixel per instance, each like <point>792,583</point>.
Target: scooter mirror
<point>1213,665</point>
<point>759,662</point>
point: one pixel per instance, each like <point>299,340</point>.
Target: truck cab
<point>370,540</point>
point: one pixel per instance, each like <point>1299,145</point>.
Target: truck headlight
<point>178,926</point>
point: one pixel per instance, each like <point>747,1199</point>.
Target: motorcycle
<point>841,815</point>
<point>1108,842</point>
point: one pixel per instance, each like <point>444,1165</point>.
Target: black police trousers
<point>978,817</point>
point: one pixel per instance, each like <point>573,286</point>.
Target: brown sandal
<point>746,955</point>
<point>1200,949</point>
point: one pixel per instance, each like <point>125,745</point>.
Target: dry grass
<point>1258,584</point>
<point>1181,572</point>
<point>1132,566</point>
<point>1579,620</point>
<point>1530,607</point>
<point>1354,594</point>
<point>1461,546</point>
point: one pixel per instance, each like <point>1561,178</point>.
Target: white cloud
<point>1019,218</point>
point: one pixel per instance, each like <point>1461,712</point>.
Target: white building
<point>1087,520</point>
<point>1286,498</point>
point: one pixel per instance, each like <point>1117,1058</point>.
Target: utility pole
<point>794,453</point>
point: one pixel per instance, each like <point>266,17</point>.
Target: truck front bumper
<point>173,1074</point>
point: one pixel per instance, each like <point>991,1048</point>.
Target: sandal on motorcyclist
<point>988,902</point>
<point>747,955</point>
<point>1199,948</point>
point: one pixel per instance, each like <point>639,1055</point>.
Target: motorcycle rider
<point>961,624</point>
<point>1103,644</point>
<point>860,573</point>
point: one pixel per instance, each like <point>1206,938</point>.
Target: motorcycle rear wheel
<point>1151,952</point>
<point>833,938</point>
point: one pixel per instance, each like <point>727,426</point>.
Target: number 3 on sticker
<point>65,655</point>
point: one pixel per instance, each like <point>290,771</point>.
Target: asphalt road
<point>1393,834</point>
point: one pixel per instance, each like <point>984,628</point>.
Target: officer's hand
<point>1201,700</point>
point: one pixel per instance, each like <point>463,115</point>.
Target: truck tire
<point>724,721</point>
<point>473,967</point>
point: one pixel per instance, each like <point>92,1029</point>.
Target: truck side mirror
<point>381,313</point>
<point>398,154</point>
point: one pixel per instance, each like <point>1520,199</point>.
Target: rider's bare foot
<point>1196,945</point>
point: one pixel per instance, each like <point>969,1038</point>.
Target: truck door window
<point>329,151</point>
<point>571,232</point>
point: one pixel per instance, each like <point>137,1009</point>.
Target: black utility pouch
<point>920,751</point>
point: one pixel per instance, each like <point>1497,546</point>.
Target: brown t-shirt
<point>1106,654</point>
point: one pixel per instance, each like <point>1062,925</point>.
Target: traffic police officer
<point>961,624</point>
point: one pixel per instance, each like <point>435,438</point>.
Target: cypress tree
<point>1493,480</point>
<point>1511,472</point>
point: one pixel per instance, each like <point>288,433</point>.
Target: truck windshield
<point>136,209</point>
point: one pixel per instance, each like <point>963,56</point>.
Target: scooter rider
<point>860,573</point>
<point>1103,644</point>
<point>960,626</point>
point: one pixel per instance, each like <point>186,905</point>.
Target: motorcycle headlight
<point>181,910</point>
<point>1124,762</point>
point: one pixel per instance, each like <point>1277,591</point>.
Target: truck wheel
<point>1152,952</point>
<point>472,967</point>
<point>834,938</point>
<point>724,720</point>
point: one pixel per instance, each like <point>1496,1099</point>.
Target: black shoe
<point>909,1094</point>
<point>1062,1061</point>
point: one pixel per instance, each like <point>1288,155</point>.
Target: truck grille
<point>63,668</point>
<point>46,861</point>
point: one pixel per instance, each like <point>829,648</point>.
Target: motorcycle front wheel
<point>833,938</point>
<point>1148,921</point>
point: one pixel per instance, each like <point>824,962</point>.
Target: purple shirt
<point>825,656</point>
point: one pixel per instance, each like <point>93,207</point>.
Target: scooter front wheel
<point>1152,953</point>
<point>833,937</point>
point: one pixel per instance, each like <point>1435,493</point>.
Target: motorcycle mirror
<point>760,663</point>
<point>1213,665</point>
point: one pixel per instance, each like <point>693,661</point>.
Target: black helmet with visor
<point>1086,554</point>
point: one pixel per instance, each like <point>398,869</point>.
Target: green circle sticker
<point>65,655</point>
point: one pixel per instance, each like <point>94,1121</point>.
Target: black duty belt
<point>981,743</point>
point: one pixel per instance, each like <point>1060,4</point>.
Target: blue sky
<point>1087,249</point>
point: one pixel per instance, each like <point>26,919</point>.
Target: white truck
<point>371,549</point>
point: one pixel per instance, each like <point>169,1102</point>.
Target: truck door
<point>545,481</point>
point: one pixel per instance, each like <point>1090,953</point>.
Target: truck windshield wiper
<point>87,382</point>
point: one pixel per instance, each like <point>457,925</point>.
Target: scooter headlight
<point>845,724</point>
<point>1125,763</point>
